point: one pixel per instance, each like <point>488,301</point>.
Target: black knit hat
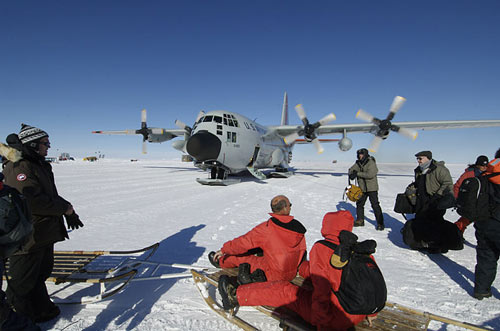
<point>363,151</point>
<point>31,135</point>
<point>482,160</point>
<point>427,154</point>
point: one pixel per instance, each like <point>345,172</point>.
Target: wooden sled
<point>112,270</point>
<point>393,317</point>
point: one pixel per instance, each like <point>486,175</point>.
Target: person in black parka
<point>32,176</point>
<point>488,243</point>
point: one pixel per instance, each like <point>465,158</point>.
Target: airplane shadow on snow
<point>175,168</point>
<point>138,298</point>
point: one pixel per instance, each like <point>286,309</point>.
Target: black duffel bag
<point>403,204</point>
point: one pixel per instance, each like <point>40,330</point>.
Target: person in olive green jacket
<point>365,170</point>
<point>434,186</point>
<point>31,175</point>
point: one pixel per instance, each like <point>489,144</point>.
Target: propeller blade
<point>318,146</point>
<point>291,138</point>
<point>409,133</point>
<point>375,144</point>
<point>200,114</point>
<point>143,118</point>
<point>180,124</point>
<point>396,104</point>
<point>300,111</point>
<point>364,116</point>
<point>327,119</point>
<point>144,147</point>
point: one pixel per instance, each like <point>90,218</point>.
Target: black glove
<point>353,175</point>
<point>73,221</point>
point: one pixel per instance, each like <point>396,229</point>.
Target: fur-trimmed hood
<point>10,153</point>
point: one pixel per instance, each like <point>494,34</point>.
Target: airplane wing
<point>285,130</point>
<point>171,133</point>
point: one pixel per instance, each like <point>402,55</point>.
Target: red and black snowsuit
<point>282,240</point>
<point>471,171</point>
<point>319,306</point>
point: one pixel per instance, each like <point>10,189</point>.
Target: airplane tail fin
<point>284,111</point>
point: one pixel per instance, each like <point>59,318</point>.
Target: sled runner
<point>112,270</point>
<point>393,317</point>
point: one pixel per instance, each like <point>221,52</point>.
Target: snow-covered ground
<point>127,205</point>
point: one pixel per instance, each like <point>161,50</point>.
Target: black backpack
<point>473,200</point>
<point>15,227</point>
<point>362,288</point>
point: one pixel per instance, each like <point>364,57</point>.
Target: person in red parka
<point>319,306</point>
<point>281,239</point>
<point>472,170</point>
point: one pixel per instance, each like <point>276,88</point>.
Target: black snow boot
<point>258,276</point>
<point>227,290</point>
<point>244,274</point>
<point>212,259</point>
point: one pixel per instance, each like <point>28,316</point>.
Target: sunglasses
<point>420,158</point>
<point>46,143</point>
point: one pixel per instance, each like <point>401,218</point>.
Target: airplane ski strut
<point>217,182</point>
<point>255,172</point>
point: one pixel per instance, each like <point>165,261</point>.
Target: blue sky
<point>70,67</point>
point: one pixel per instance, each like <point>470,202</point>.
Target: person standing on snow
<point>432,181</point>
<point>281,239</point>
<point>318,306</point>
<point>488,238</point>
<point>33,177</point>
<point>472,170</point>
<point>365,170</point>
<point>14,234</point>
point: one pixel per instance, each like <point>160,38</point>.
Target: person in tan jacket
<point>365,171</point>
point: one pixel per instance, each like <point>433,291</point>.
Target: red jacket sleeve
<point>249,240</point>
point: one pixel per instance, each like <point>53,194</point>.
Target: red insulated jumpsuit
<point>320,307</point>
<point>282,240</point>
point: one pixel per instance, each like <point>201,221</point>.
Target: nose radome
<point>203,146</point>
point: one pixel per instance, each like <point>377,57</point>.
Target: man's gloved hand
<point>73,221</point>
<point>353,175</point>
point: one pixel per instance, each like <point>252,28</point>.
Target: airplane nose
<point>203,146</point>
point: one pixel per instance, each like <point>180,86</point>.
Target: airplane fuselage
<point>233,142</point>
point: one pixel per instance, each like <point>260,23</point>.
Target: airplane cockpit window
<point>246,124</point>
<point>253,127</point>
<point>218,119</point>
<point>230,122</point>
<point>208,118</point>
<point>201,119</point>
<point>231,137</point>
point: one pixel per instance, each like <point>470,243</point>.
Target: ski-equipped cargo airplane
<point>227,143</point>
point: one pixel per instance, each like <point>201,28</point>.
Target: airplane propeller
<point>309,130</point>
<point>144,131</point>
<point>385,126</point>
<point>181,144</point>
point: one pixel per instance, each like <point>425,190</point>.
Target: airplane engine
<point>345,144</point>
<point>277,157</point>
<point>158,135</point>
